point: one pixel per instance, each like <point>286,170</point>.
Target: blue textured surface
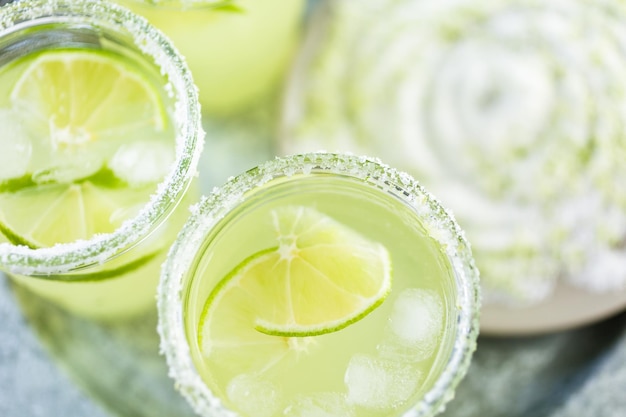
<point>31,385</point>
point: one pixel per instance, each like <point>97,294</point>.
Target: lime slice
<point>322,277</point>
<point>76,110</point>
<point>76,97</point>
<point>42,215</point>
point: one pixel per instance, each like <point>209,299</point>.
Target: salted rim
<point>439,223</point>
<point>105,16</point>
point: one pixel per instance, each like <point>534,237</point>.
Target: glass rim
<point>150,42</point>
<point>212,208</point>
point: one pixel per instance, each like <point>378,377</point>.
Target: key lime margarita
<point>236,49</point>
<point>100,140</point>
<point>319,285</point>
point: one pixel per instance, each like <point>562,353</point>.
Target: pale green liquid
<point>418,265</point>
<point>236,57</point>
<point>132,289</point>
<point>70,147</point>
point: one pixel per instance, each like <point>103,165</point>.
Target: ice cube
<point>379,383</point>
<point>143,162</point>
<point>393,349</point>
<point>68,168</point>
<point>15,147</point>
<point>416,316</point>
<point>323,404</point>
<point>414,328</point>
<point>253,395</point>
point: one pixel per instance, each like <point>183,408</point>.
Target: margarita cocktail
<point>236,49</point>
<point>100,141</point>
<point>319,285</point>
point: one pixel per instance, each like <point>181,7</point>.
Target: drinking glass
<point>237,50</point>
<point>324,214</point>
<point>109,273</point>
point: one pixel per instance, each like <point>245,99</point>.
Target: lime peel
<point>328,327</point>
<point>368,305</point>
<point>107,273</point>
<point>321,278</point>
<point>15,238</point>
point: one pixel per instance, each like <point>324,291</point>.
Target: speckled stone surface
<point>575,373</point>
<point>31,385</point>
